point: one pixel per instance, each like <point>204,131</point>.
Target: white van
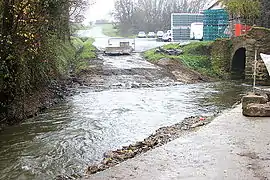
<point>167,37</point>
<point>196,31</point>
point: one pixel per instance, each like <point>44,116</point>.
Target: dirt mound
<point>181,72</point>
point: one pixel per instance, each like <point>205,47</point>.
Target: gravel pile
<point>160,137</point>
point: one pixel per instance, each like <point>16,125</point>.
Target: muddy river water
<point>69,137</point>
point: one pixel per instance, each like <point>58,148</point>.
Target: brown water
<point>67,138</point>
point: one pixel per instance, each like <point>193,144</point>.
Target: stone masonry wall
<point>223,51</point>
<point>258,38</point>
<point>221,57</point>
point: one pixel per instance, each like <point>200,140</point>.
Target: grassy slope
<point>65,54</point>
<point>196,56</point>
<point>109,30</point>
<point>88,50</point>
<point>85,52</point>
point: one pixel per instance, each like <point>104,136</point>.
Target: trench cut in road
<point>124,102</point>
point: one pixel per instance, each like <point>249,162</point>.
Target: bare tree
<point>77,9</point>
<point>151,15</point>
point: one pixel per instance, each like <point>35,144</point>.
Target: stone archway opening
<point>238,64</point>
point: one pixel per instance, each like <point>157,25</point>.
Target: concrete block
<point>257,110</point>
<point>253,99</point>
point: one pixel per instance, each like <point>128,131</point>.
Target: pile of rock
<point>161,136</point>
<point>172,52</point>
<point>256,105</point>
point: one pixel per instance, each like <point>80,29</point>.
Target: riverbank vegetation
<point>196,56</point>
<point>35,50</point>
<point>85,50</point>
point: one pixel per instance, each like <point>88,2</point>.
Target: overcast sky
<point>100,10</point>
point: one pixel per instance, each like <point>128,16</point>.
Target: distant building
<point>102,21</point>
<point>181,24</point>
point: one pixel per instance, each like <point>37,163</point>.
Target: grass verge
<point>196,55</point>
<point>110,30</point>
<point>85,52</point>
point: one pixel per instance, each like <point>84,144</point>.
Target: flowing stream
<point>74,134</point>
<point>106,115</point>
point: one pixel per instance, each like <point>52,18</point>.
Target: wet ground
<point>161,136</point>
<point>113,72</point>
<point>124,100</point>
<point>231,147</point>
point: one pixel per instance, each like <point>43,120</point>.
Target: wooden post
<point>254,73</point>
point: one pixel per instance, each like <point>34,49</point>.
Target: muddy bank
<point>165,72</point>
<point>160,137</point>
<point>102,73</point>
<point>189,63</point>
<point>33,104</point>
<point>181,72</point>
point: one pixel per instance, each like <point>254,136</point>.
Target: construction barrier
<point>241,29</point>
<point>216,21</point>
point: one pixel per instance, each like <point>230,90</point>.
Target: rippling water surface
<point>67,138</point>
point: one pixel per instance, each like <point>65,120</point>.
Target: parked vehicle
<point>141,34</point>
<point>151,35</point>
<point>160,35</point>
<point>120,46</point>
<point>167,37</point>
<point>196,31</point>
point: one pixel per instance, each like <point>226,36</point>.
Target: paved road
<point>232,147</point>
<point>125,71</point>
<point>101,40</point>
